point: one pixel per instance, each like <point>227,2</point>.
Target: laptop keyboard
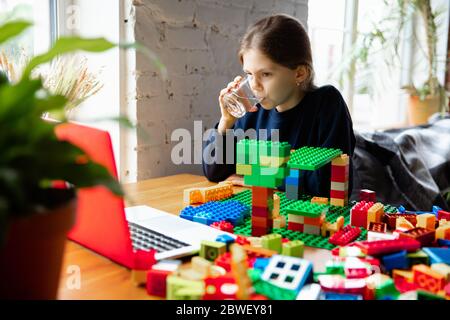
<point>147,239</point>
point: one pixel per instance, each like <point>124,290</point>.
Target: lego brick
<point>338,194</point>
<point>231,210</point>
<point>156,282</point>
<point>388,246</point>
<point>260,231</point>
<point>228,240</point>
<point>262,222</point>
<point>398,260</point>
<point>244,169</point>
<point>272,242</point>
<point>342,160</point>
<point>262,197</point>
<point>310,229</point>
<point>438,255</point>
<point>276,206</point>
<point>307,209</point>
<point>314,221</point>
<point>293,248</point>
<point>296,218</point>
<point>383,287</point>
<point>258,252</point>
<point>312,158</point>
<point>223,225</point>
<point>295,226</point>
<point>261,212</point>
<point>375,213</point>
<point>175,283</point>
<point>239,268</point>
<point>279,222</point>
<point>310,291</point>
<point>319,200</point>
<point>339,174</point>
<point>443,232</point>
<point>367,195</point>
<point>418,257</point>
<point>220,288</point>
<point>289,273</point>
<point>295,173</point>
<point>210,250</point>
<point>428,279</point>
<point>271,161</point>
<point>424,236</point>
<point>345,236</point>
<point>339,186</point>
<point>391,218</point>
<point>294,181</point>
<point>338,202</point>
<point>426,220</point>
<point>443,269</point>
<point>377,227</point>
<point>339,284</point>
<point>443,215</point>
<point>358,214</point>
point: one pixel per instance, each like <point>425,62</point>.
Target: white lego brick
<point>339,186</point>
<point>295,218</point>
<point>289,273</point>
<point>307,228</point>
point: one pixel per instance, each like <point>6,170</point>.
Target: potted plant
<point>383,43</point>
<point>36,214</point>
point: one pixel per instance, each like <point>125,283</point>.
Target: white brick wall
<point>197,40</point>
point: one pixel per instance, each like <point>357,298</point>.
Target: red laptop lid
<point>101,224</point>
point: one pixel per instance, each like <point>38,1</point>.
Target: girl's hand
<point>227,119</point>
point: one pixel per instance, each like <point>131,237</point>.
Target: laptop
<point>105,226</point>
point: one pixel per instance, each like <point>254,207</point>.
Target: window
<point>333,32</point>
<point>36,39</point>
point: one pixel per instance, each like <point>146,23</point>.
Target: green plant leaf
<point>12,29</point>
<point>66,45</point>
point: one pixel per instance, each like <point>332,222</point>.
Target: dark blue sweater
<point>320,119</point>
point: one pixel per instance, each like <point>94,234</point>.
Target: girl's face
<point>275,84</point>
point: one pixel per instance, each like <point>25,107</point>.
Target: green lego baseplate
<point>249,151</point>
<point>310,240</point>
<point>306,209</point>
<point>312,158</point>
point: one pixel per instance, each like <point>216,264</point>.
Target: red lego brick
<point>295,226</point>
<point>345,236</point>
<point>224,261</point>
<point>391,218</point>
<point>367,195</point>
<point>388,246</point>
<point>428,279</point>
<point>339,173</point>
<point>377,227</point>
<point>223,226</point>
<point>424,236</point>
<point>337,194</point>
<point>261,212</point>
<point>215,288</point>
<point>443,215</point>
<point>358,214</point>
<point>156,282</point>
<point>259,231</point>
<point>261,196</point>
<point>242,240</point>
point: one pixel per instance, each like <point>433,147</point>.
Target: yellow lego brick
<point>426,220</point>
<point>341,160</point>
<point>443,269</point>
<point>402,223</point>
<point>443,232</point>
<point>338,202</point>
<point>319,200</point>
<point>339,186</point>
<point>244,169</point>
<point>279,222</point>
<point>276,206</point>
<point>375,213</point>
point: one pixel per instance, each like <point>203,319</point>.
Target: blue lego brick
<point>225,239</point>
<point>438,255</point>
<point>294,173</point>
<point>293,181</point>
<point>340,296</point>
<point>443,242</point>
<point>233,211</point>
<point>261,263</point>
<point>398,260</point>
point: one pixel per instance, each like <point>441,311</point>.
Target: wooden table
<point>102,279</point>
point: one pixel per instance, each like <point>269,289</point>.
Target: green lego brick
<point>210,250</point>
<point>175,283</point>
<point>274,148</point>
<point>293,249</point>
<point>312,158</point>
<point>418,257</point>
<point>267,289</point>
<point>307,209</point>
<point>425,295</point>
<point>272,242</point>
<point>249,151</point>
<point>386,289</point>
<point>335,267</point>
<point>189,294</point>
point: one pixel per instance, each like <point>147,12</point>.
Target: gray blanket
<point>409,167</point>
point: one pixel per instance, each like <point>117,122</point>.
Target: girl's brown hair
<point>284,40</point>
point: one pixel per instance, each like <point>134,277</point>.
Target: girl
<point>276,53</point>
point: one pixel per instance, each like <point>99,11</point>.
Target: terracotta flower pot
<point>419,111</point>
<point>31,258</point>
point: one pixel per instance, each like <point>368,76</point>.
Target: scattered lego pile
<point>379,251</point>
